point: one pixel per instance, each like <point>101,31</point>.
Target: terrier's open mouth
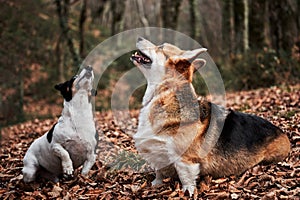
<point>141,58</point>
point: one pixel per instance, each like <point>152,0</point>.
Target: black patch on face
<point>97,140</point>
<point>94,92</point>
<point>50,133</point>
<point>66,89</point>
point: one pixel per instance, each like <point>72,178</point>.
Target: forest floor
<point>119,173</point>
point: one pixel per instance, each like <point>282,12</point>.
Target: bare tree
<point>142,16</point>
<point>192,18</point>
<point>169,13</point>
<point>246,26</point>
<point>117,9</point>
<point>266,25</point>
<point>228,29</point>
<point>82,20</point>
<point>62,8</point>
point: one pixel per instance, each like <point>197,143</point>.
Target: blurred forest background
<point>255,44</point>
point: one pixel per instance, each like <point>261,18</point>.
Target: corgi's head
<point>157,61</point>
<point>83,81</point>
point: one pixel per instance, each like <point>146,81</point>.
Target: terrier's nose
<point>89,68</point>
<point>140,39</point>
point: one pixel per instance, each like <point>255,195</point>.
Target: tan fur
<point>180,67</point>
<point>179,132</point>
<point>171,50</point>
<point>178,113</point>
<point>277,149</point>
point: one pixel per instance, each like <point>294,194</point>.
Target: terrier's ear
<point>58,86</point>
<point>198,63</point>
<point>94,92</point>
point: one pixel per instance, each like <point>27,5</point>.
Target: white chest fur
<point>157,150</point>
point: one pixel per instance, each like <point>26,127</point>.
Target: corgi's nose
<point>89,68</point>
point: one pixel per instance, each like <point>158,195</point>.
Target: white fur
<point>160,151</point>
<point>188,174</point>
<point>73,136</point>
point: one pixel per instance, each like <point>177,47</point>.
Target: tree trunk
<point>82,20</point>
<point>117,9</point>
<point>97,9</point>
<point>228,30</point>
<point>298,19</point>
<point>192,18</point>
<point>266,23</point>
<point>246,26</point>
<point>59,59</point>
<point>62,8</point>
<point>169,12</point>
<point>21,98</point>
<point>141,13</point>
<point>232,28</point>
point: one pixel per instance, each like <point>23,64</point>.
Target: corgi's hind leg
<point>187,174</point>
<point>158,178</point>
<point>168,171</point>
<point>277,150</point>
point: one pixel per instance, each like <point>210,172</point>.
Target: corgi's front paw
<point>190,188</point>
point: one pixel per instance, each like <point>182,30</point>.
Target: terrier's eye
<point>160,46</point>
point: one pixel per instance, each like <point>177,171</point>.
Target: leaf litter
<point>120,173</point>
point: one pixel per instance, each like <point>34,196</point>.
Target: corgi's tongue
<point>140,58</point>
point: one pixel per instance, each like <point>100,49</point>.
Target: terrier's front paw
<point>28,178</point>
<point>68,171</point>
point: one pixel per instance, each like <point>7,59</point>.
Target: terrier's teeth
<point>136,53</point>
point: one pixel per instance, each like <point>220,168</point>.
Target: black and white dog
<point>71,141</point>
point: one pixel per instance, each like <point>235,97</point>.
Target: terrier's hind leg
<point>88,164</point>
<point>30,169</point>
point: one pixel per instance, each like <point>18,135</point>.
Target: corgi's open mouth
<point>141,58</point>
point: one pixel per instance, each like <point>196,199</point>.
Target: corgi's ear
<point>198,63</point>
<point>171,50</point>
<point>193,54</point>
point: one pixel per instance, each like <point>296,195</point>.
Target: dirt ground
<point>120,173</point>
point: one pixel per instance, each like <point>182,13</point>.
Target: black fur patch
<point>97,140</point>
<point>94,92</point>
<point>66,88</point>
<point>245,131</point>
<point>50,133</point>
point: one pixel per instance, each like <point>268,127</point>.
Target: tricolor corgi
<point>185,136</point>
